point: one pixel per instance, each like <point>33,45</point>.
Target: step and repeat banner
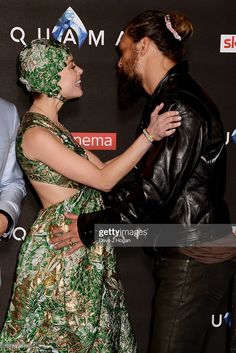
<point>92,29</point>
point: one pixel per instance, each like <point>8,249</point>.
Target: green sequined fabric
<point>64,304</point>
<point>40,64</point>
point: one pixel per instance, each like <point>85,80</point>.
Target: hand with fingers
<point>162,125</point>
<point>67,235</point>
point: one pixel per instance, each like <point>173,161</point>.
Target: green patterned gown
<point>64,304</point>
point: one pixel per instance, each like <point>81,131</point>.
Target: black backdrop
<point>98,111</point>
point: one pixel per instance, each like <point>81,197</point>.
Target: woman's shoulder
<point>34,119</point>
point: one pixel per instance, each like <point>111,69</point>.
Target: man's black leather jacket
<point>181,180</point>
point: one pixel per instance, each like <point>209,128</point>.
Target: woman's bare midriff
<point>50,194</point>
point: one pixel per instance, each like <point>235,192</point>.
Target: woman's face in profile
<point>70,81</point>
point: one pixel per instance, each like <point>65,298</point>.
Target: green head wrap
<point>40,63</point>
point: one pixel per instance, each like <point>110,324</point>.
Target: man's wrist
<point>86,236</point>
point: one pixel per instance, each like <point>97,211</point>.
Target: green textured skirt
<point>66,304</point>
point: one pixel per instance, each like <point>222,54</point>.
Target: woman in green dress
<point>67,303</point>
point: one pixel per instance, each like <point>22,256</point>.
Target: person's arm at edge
<point>12,185</point>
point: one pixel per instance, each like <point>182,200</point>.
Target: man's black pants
<point>188,294</point>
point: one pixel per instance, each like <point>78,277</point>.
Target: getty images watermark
<point>166,235</point>
<point>119,236</point>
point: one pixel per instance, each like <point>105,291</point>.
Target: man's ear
<point>144,45</point>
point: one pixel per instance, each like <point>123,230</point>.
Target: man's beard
<point>129,85</point>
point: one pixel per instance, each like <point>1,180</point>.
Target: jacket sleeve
<point>12,187</point>
<point>162,176</point>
